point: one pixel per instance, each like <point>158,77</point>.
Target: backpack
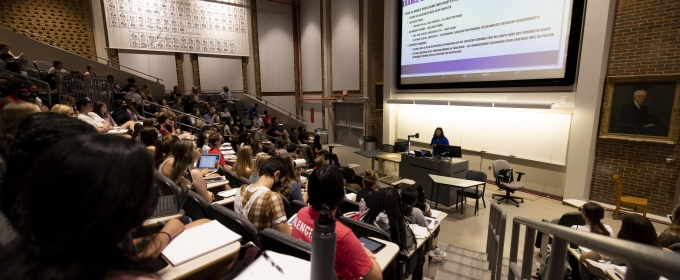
<point>543,267</point>
<point>506,175</point>
<point>120,116</point>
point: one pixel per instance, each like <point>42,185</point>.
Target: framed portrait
<point>641,108</point>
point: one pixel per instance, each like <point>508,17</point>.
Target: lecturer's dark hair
<point>434,135</point>
<point>35,134</point>
<point>326,187</point>
<point>80,208</point>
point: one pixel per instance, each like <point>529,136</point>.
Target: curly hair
<point>370,179</point>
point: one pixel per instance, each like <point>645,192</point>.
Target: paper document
<point>391,156</point>
<point>117,131</point>
<point>419,232</point>
<point>431,223</point>
<point>215,179</point>
<point>435,213</point>
<point>197,241</point>
<point>351,196</point>
<point>228,193</point>
<point>597,268</point>
<point>584,249</point>
<point>293,268</point>
<point>621,270</point>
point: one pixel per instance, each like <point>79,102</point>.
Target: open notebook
<point>197,241</point>
<point>292,268</point>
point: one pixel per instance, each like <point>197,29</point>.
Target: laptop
<point>211,162</point>
<point>171,204</point>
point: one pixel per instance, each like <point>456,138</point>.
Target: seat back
<point>348,206</point>
<point>295,206</point>
<point>32,73</point>
<point>273,240</point>
<point>195,207</point>
<point>349,190</point>
<point>497,166</point>
<point>42,65</point>
<point>286,206</point>
<point>363,229</point>
<point>387,148</point>
<point>166,186</point>
<point>230,176</point>
<point>617,186</point>
<point>571,219</point>
<point>239,105</point>
<point>235,222</point>
<point>675,247</point>
<point>477,176</point>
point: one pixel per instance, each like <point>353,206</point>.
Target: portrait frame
<point>610,96</point>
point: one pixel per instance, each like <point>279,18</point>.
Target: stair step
<point>447,275</point>
<point>465,252</point>
<point>456,258</point>
<point>464,270</point>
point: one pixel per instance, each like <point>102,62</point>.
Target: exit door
<point>349,123</point>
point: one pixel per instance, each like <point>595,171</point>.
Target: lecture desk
<point>204,266</point>
<point>154,221</point>
<point>372,155</point>
<point>452,182</point>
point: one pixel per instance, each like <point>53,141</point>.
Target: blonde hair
<point>319,161</point>
<point>62,109</point>
<point>370,179</point>
<point>244,160</point>
<point>10,118</point>
<point>259,161</point>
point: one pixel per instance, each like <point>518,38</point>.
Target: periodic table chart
<point>178,26</point>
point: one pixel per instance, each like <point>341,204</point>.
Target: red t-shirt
<point>164,131</point>
<point>216,151</point>
<point>351,260</point>
<point>267,119</point>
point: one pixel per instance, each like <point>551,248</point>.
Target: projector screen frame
<point>571,69</point>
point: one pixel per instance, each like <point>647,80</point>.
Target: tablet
<point>371,245</point>
<point>208,161</point>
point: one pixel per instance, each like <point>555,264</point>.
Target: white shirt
<point>92,118</point>
<point>586,228</point>
<point>54,70</point>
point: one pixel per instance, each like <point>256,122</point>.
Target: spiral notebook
<point>198,241</point>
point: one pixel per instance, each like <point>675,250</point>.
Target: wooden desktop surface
<point>219,257</point>
<point>394,157</point>
<point>154,221</point>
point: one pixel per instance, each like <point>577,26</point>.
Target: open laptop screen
<point>208,161</point>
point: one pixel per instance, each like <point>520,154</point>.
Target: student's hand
<point>173,227</point>
<point>204,171</point>
<point>369,253</point>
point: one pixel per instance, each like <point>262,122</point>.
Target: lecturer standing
<point>438,139</point>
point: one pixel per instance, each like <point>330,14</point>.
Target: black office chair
<point>234,180</point>
<point>273,240</point>
<point>286,206</point>
<point>348,206</point>
<point>296,205</point>
<point>568,219</point>
<point>195,207</point>
<point>510,187</point>
<point>348,190</point>
<point>165,185</point>
<point>235,222</point>
<point>400,147</point>
<point>474,192</point>
<point>361,229</point>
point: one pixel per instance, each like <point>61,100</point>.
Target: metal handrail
<point>177,123</point>
<point>642,261</point>
<point>46,85</point>
<point>290,114</point>
<point>495,240</point>
<point>52,41</point>
<point>173,110</point>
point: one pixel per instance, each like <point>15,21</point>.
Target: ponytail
<point>406,208</point>
<point>595,213</point>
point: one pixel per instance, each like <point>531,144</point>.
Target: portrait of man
<point>642,108</point>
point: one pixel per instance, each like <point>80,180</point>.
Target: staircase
<point>461,263</point>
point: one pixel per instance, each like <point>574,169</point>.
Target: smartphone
<point>371,245</point>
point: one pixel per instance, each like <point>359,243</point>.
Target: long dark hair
<point>164,147</point>
<point>348,174</point>
<point>638,229</point>
<point>183,151</point>
<point>434,135</point>
<point>409,197</point>
<point>102,203</point>
<point>673,230</point>
<point>595,213</point>
<point>35,134</point>
<point>420,204</point>
<point>149,136</point>
<point>388,201</point>
<point>317,142</point>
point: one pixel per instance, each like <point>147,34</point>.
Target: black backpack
<point>506,175</point>
<point>120,116</point>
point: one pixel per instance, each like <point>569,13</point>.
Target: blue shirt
<point>252,111</point>
<point>295,192</point>
<point>442,141</point>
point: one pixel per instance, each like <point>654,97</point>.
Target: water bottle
<point>323,246</point>
<point>362,207</point>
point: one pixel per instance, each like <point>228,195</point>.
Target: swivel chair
<point>510,187</point>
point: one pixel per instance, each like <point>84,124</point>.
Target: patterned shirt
<point>267,210</point>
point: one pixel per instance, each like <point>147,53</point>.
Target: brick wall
<point>67,22</point>
<point>645,41</point>
<point>375,52</point>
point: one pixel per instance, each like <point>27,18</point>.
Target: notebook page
<point>228,193</point>
<point>197,241</point>
<point>435,213</point>
<point>293,268</point>
<point>419,232</point>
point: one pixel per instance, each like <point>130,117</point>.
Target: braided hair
<point>388,202</point>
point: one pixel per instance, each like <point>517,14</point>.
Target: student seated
<point>348,174</point>
<point>593,214</point>
<point>371,188</point>
<point>101,111</point>
<point>163,149</point>
<point>352,260</point>
<point>435,253</point>
<point>167,127</point>
<point>75,234</point>
<point>319,150</point>
<point>178,166</point>
<point>202,141</point>
<point>10,118</point>
<point>671,235</point>
<point>319,162</point>
<point>149,137</point>
<point>259,204</point>
<point>215,140</point>
<point>387,214</point>
<point>290,188</point>
<point>64,109</point>
<point>244,162</point>
<point>259,161</point>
